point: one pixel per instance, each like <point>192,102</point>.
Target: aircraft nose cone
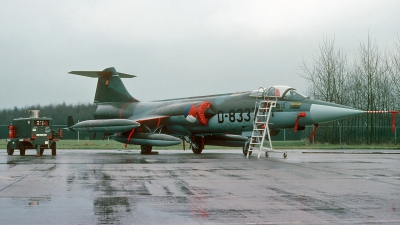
<point>325,113</point>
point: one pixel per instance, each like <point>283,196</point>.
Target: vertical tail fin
<point>109,85</point>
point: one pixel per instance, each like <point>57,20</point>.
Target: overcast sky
<point>176,48</point>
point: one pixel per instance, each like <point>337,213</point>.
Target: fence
<point>342,134</point>
<point>325,134</point>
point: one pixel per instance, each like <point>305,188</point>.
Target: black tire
<point>246,148</point>
<point>146,149</point>
<point>10,151</point>
<point>53,148</point>
<point>198,145</point>
<point>22,148</point>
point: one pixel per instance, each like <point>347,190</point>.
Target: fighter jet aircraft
<point>223,120</point>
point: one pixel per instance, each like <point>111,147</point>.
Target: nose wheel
<point>246,148</point>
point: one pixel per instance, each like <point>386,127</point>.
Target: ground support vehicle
<point>32,133</point>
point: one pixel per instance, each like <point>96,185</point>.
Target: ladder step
<point>262,114</point>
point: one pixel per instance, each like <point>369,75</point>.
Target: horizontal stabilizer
<point>70,121</point>
<point>109,85</point>
<point>97,74</point>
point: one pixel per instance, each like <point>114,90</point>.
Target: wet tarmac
<point>215,187</point>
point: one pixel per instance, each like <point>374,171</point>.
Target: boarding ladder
<point>262,113</point>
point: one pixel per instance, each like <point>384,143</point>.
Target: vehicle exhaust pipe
<point>34,113</point>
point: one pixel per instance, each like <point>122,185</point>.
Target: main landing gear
<point>145,149</point>
<point>197,144</point>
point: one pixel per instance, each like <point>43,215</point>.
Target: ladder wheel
<point>266,154</point>
<point>284,155</point>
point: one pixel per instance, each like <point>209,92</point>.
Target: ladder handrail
<point>261,118</point>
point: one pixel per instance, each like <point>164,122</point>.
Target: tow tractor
<point>32,133</point>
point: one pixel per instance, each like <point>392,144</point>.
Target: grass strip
<point>302,144</point>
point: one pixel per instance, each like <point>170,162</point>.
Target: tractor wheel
<point>22,148</point>
<point>10,151</point>
<point>53,148</point>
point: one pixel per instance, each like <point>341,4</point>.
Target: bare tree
<point>368,67</point>
<point>393,66</point>
<point>328,78</point>
<point>328,74</point>
<point>371,82</point>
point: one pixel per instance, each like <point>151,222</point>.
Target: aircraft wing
<point>148,118</point>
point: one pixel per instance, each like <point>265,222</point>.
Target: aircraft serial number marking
<point>239,115</point>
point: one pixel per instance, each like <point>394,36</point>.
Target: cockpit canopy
<point>278,91</point>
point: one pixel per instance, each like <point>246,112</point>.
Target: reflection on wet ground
<point>216,187</point>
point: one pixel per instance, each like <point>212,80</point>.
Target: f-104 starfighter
<point>221,120</point>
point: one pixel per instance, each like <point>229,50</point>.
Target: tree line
<point>369,81</point>
<point>58,112</point>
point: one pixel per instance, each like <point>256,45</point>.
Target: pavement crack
<point>22,178</point>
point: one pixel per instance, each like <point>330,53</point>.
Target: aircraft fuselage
<point>234,113</point>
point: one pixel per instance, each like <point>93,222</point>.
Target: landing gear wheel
<point>10,151</point>
<point>53,148</point>
<point>246,148</point>
<point>197,145</point>
<point>284,155</point>
<point>22,148</point>
<point>146,149</point>
<point>266,154</point>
